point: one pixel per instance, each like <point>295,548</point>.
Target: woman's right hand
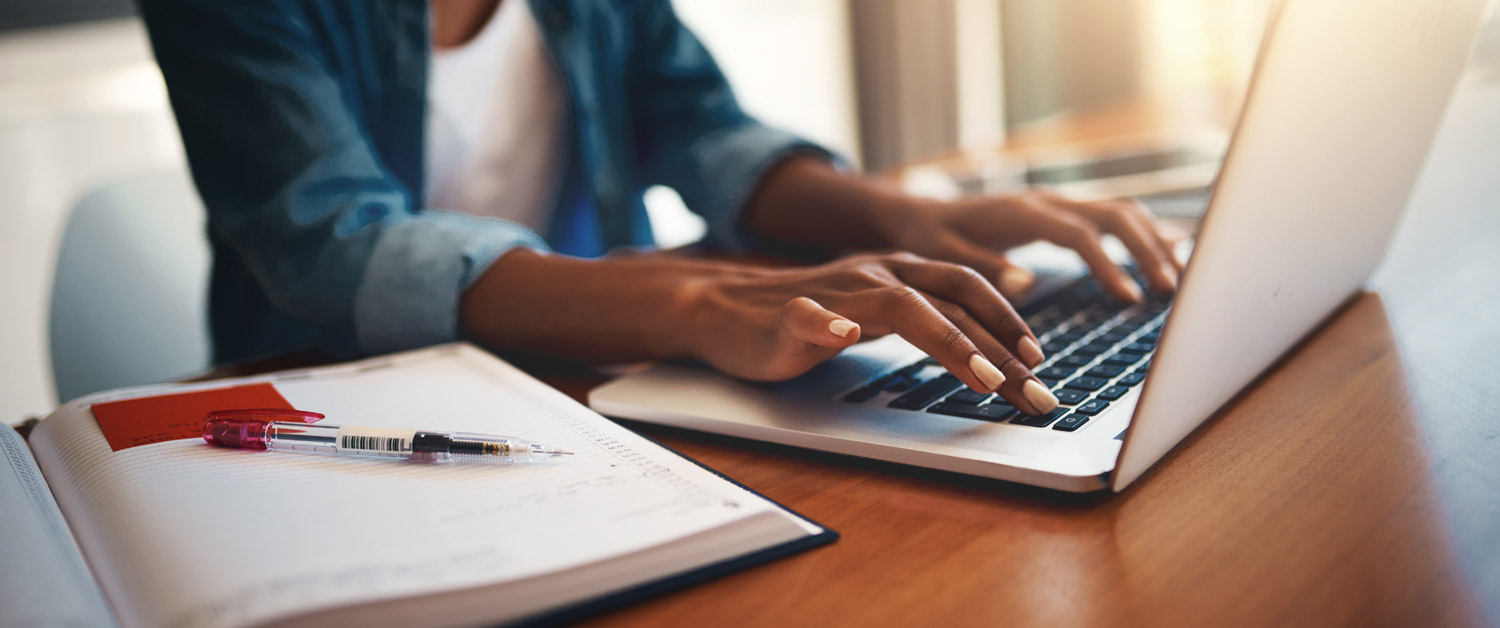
<point>755,323</point>
<point>779,323</point>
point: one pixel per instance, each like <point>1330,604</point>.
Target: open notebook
<point>181,534</point>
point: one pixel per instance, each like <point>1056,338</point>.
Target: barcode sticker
<point>376,439</point>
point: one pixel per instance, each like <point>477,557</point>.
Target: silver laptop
<point>1343,104</point>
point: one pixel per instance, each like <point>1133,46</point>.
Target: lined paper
<point>45,581</point>
<point>186,535</point>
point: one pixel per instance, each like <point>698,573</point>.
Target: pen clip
<point>266,414</point>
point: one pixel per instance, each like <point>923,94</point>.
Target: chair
<point>129,296</point>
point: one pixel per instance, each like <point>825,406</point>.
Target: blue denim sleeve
<point>295,188</point>
<point>693,135</point>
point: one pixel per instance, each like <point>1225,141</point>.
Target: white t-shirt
<point>497,123</point>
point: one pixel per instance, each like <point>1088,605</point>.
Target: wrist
<point>682,327</point>
<point>701,306</point>
<point>607,310</point>
<point>894,217</point>
<point>807,202</point>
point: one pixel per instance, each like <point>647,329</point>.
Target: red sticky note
<point>147,420</point>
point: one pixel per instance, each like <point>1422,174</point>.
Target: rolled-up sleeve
<point>296,190</point>
<point>693,135</point>
<point>408,293</point>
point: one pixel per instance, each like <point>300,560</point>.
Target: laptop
<point>1342,106</point>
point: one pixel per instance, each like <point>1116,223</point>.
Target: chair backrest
<point>129,296</point>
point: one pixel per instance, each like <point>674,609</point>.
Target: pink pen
<point>293,430</point>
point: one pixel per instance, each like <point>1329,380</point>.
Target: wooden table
<point>1357,484</point>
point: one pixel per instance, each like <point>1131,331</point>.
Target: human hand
<point>773,324</point>
<point>974,232</point>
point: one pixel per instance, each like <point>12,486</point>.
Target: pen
<point>292,430</point>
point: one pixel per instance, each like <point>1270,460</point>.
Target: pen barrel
<point>366,442</point>
<point>302,438</point>
<point>374,442</point>
<point>471,447</point>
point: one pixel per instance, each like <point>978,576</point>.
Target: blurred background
<point>953,86</point>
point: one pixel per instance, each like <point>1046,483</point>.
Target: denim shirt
<point>303,124</point>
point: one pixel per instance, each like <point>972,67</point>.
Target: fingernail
<point>841,327</point>
<point>1029,353</point>
<point>1039,396</point>
<point>1134,292</point>
<point>1015,281</point>
<point>1171,274</point>
<point>988,375</point>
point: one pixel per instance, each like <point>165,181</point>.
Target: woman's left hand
<point>974,232</point>
<point>806,201</point>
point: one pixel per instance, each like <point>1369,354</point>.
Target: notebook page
<point>183,534</point>
<point>44,581</point>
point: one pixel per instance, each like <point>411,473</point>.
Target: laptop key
<point>1074,360</point>
<point>1057,371</point>
<point>1113,392</point>
<point>991,412</point>
<point>1086,327</point>
<point>1071,422</point>
<point>904,384</point>
<point>1132,379</point>
<point>1092,407</point>
<point>1138,347</point>
<point>967,397</point>
<point>1039,421</point>
<point>1111,337</point>
<point>1123,359</point>
<point>862,394</point>
<point>1085,382</point>
<point>1093,349</point>
<point>1071,397</point>
<point>927,393</point>
<point>1105,371</point>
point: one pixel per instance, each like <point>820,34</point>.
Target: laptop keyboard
<point>1097,351</point>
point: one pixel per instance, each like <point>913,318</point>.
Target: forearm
<point>611,310</point>
<point>805,200</point>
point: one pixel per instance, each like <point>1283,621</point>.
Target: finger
<point>809,322</point>
<point>1151,255</point>
<point>1020,387</point>
<point>1166,235</point>
<point>1130,221</point>
<point>1158,233</point>
<point>908,313</point>
<point>1173,237</point>
<point>1077,233</point>
<point>1015,282</point>
<point>967,288</point>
